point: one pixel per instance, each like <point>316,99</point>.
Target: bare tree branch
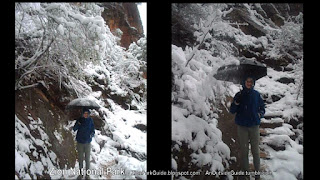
<point>28,86</point>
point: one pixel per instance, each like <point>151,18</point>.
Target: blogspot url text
<point>110,171</point>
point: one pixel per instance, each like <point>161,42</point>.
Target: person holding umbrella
<point>249,108</point>
<point>85,131</point>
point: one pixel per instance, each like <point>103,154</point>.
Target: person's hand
<point>237,98</point>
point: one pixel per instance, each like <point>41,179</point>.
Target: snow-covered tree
<point>59,39</point>
<point>211,25</point>
<point>288,40</point>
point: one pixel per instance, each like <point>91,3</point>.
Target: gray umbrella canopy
<point>83,103</point>
<point>237,73</point>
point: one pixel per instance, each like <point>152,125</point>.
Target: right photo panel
<point>237,91</point>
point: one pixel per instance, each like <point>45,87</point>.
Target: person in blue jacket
<point>249,109</point>
<point>85,131</point>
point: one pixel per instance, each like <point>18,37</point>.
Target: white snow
<point>193,122</point>
<point>285,164</point>
<point>60,29</point>
<point>24,146</point>
<point>58,136</point>
<point>174,164</point>
<point>285,130</point>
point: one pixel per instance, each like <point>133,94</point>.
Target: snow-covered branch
<point>56,32</point>
<point>205,27</point>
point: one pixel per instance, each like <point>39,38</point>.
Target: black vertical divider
<point>158,88</point>
<point>8,92</point>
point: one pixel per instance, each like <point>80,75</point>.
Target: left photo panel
<point>80,90</point>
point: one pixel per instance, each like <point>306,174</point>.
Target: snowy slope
<point>116,153</point>
<point>285,143</point>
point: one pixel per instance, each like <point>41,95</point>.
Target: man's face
<point>249,83</point>
<point>85,114</point>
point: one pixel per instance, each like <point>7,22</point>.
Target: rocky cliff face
<point>270,14</point>
<point>266,14</point>
<point>123,16</point>
<point>273,22</point>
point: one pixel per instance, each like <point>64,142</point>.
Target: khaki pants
<point>84,151</point>
<point>245,135</point>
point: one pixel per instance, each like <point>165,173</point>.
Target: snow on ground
<point>25,142</point>
<point>286,163</point>
<point>291,105</point>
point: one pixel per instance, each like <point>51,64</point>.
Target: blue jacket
<point>250,109</point>
<point>85,129</point>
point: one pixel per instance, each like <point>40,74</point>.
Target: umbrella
<point>237,73</point>
<point>83,103</point>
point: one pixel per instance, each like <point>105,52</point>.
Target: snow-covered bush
<point>139,49</point>
<point>196,94</point>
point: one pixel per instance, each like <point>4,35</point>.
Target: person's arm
<point>76,125</point>
<point>235,103</point>
<point>92,128</point>
<point>261,107</point>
